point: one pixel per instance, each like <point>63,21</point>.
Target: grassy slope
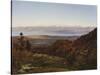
<point>28,62</point>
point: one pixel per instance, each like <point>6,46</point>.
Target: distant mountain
<point>51,31</point>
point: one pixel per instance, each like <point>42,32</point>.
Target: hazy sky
<point>26,13</point>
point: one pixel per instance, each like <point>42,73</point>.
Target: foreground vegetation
<point>28,62</point>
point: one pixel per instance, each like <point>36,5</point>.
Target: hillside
<point>89,40</point>
<point>86,50</point>
<point>81,53</point>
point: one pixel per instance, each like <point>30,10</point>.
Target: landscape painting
<point>53,37</point>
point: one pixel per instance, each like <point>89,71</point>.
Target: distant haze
<point>26,13</point>
<point>51,31</point>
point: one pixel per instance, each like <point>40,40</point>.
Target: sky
<point>26,13</point>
